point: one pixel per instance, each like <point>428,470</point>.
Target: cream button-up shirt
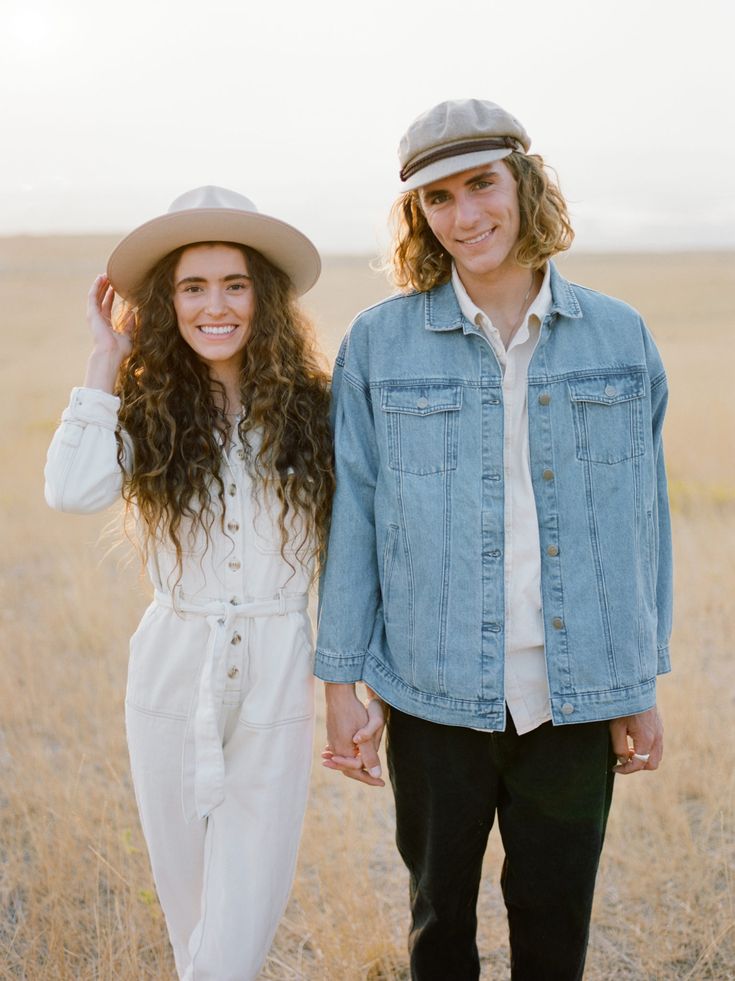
<point>526,682</point>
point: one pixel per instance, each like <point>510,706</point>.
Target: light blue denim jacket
<point>412,594</point>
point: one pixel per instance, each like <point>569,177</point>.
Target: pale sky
<point>111,110</point>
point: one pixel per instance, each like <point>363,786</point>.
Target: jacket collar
<point>442,310</point>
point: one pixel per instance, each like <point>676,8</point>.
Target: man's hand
<point>646,733</point>
<point>354,732</point>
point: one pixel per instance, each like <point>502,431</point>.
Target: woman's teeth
<point>227,329</point>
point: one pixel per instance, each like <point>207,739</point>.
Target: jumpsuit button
<point>423,403</point>
<point>236,638</point>
<point>235,600</point>
<point>233,526</point>
<point>548,474</point>
<point>567,709</point>
<point>234,565</point>
<point>552,550</point>
<point>557,623</point>
<point>610,390</point>
<point>544,398</point>
<point>232,490</point>
<point>233,672</point>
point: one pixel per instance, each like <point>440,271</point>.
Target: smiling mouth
<point>217,330</point>
<point>479,238</point>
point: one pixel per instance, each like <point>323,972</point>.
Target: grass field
<point>76,897</point>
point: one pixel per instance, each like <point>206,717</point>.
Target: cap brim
<point>280,243</point>
<point>452,165</point>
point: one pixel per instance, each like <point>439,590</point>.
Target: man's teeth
<point>227,329</point>
<point>473,241</point>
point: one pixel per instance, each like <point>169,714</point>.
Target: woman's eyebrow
<point>203,279</point>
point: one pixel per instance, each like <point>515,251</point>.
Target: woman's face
<point>214,302</point>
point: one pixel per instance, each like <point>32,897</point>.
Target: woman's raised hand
<point>111,346</point>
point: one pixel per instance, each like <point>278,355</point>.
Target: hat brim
<point>453,165</point>
<point>282,244</point>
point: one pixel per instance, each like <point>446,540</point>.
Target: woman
<point>207,411</point>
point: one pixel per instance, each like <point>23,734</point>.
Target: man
<point>499,566</point>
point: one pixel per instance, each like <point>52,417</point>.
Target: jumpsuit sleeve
<point>349,587</point>
<point>82,473</point>
<point>663,552</point>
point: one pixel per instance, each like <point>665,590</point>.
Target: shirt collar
<point>539,308</point>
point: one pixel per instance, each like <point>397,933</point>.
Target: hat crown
<point>455,121</point>
<point>211,196</point>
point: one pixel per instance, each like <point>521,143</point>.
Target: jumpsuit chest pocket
<point>422,423</point>
<point>608,416</point>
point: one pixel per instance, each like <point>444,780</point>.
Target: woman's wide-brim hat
<point>212,214</point>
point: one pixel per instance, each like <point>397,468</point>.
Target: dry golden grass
<point>76,898</point>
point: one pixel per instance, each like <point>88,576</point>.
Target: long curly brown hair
<point>172,412</point>
<point>418,261</point>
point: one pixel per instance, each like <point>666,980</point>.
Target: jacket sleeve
<point>349,587</point>
<point>82,472</point>
<point>663,557</point>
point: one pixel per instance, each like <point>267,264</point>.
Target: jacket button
<point>235,600</point>
<point>548,474</point>
<point>567,709</point>
<point>233,526</point>
<point>610,390</point>
<point>552,550</point>
<point>544,398</point>
<point>557,623</point>
<point>233,672</point>
<point>423,403</point>
<point>236,638</point>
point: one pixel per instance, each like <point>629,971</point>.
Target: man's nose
<point>465,211</point>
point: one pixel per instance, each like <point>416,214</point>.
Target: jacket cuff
<point>664,662</point>
<point>92,406</point>
<point>338,668</point>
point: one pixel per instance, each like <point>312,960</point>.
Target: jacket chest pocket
<point>608,417</point>
<point>422,427</point>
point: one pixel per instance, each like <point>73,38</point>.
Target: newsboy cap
<point>457,135</point>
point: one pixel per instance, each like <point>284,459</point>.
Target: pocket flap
<point>608,389</point>
<point>421,400</point>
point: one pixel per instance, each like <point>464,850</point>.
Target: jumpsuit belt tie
<point>203,762</point>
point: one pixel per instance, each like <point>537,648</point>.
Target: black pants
<point>551,790</point>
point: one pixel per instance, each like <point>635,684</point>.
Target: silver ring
<point>643,757</point>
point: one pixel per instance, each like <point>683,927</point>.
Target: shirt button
<point>548,474</point>
<point>423,403</point>
<point>235,600</point>
<point>233,526</point>
<point>544,398</point>
<point>567,709</point>
<point>557,623</point>
<point>232,490</point>
<point>234,565</point>
<point>236,638</point>
<point>552,550</point>
<point>610,390</point>
<point>233,672</point>
<point>241,454</point>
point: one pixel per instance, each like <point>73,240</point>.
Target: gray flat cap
<point>455,136</point>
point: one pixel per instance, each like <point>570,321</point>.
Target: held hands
<point>111,345</point>
<point>354,731</point>
<point>637,741</point>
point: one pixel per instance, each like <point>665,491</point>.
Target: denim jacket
<point>412,593</point>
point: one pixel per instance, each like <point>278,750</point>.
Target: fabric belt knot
<point>203,762</point>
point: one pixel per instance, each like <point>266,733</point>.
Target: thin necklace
<point>523,310</point>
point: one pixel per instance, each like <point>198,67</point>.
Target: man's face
<point>476,218</point>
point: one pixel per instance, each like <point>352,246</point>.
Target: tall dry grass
<point>76,897</point>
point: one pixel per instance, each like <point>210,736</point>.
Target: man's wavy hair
<point>173,414</point>
<point>417,260</point>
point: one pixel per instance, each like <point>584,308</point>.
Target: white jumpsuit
<point>219,706</point>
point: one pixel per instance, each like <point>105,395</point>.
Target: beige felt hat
<point>455,136</point>
<point>212,214</point>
